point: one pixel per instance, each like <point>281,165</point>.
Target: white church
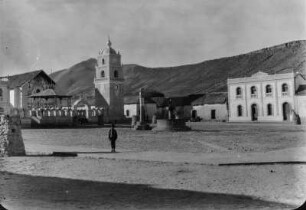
<point>109,83</point>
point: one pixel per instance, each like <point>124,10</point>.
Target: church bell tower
<point>109,83</point>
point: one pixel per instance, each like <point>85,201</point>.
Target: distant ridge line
<point>203,77</point>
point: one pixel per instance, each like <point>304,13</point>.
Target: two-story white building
<point>264,97</point>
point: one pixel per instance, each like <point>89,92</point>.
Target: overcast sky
<point>55,34</point>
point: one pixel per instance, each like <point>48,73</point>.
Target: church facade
<point>263,97</point>
<point>15,90</point>
<point>109,84</point>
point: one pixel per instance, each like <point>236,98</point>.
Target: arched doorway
<point>254,112</point>
<point>286,111</point>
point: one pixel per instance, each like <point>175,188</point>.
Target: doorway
<point>213,114</point>
<point>193,114</point>
<point>286,111</point>
<point>254,112</point>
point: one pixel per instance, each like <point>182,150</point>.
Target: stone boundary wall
<point>11,142</point>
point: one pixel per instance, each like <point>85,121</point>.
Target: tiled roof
<point>301,90</point>
<point>160,101</point>
<point>48,93</point>
<point>135,100</point>
<point>211,98</point>
<point>20,79</point>
<point>150,93</point>
<point>180,101</point>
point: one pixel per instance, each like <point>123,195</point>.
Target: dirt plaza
<point>214,166</point>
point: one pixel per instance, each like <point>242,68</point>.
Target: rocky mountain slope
<point>207,76</point>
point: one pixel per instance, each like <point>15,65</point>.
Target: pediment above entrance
<point>260,74</point>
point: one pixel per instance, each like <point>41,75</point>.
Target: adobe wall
<point>11,142</point>
<point>204,112</point>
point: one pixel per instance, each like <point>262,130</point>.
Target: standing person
<point>112,136</point>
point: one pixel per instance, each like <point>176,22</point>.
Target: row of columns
<point>61,112</point>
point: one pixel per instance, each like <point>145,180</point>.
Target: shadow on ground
<point>30,192</point>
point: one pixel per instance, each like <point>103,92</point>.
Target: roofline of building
<point>267,77</point>
<point>38,72</point>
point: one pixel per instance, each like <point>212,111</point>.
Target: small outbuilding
<point>210,107</point>
<point>132,108</point>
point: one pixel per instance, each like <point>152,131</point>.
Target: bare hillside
<point>207,76</point>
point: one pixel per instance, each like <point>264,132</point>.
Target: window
<point>1,110</point>
<point>102,74</point>
<point>238,92</point>
<point>268,90</point>
<point>253,92</point>
<point>127,113</point>
<point>103,61</point>
<point>239,111</point>
<point>37,90</point>
<point>284,89</point>
<point>1,92</point>
<point>213,114</point>
<point>269,110</point>
<point>115,74</point>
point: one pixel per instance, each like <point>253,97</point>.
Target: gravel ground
<point>45,182</point>
<point>206,138</point>
<point>72,183</point>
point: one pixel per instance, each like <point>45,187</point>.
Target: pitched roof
<point>301,91</point>
<point>160,101</point>
<point>135,100</point>
<point>48,93</point>
<point>19,79</point>
<point>211,98</point>
<point>176,101</point>
<point>150,93</point>
<point>180,101</point>
<point>301,75</point>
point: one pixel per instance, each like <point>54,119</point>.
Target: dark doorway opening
<point>254,112</point>
<point>194,114</point>
<point>213,114</point>
<point>286,111</point>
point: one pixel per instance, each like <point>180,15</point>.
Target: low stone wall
<point>11,142</point>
